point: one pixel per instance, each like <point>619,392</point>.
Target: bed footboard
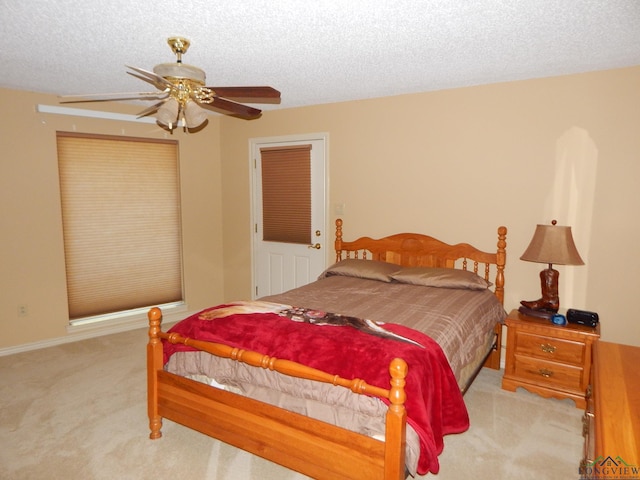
<point>300,443</point>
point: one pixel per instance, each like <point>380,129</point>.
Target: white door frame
<point>256,202</point>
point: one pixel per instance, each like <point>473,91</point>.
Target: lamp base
<point>549,303</point>
<point>536,313</point>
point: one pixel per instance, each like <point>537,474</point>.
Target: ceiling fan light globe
<point>194,114</point>
<point>168,113</point>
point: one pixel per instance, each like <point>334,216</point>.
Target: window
<point>121,221</point>
<point>286,194</point>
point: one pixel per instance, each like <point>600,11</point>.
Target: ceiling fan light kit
<point>183,94</point>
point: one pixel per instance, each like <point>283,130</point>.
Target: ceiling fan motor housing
<point>180,71</point>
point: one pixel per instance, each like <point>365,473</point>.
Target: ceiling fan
<point>183,94</point>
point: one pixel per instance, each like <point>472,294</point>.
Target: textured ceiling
<point>313,52</point>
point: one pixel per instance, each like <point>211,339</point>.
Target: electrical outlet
<point>23,310</point>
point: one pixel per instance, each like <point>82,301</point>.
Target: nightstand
<point>547,359</point>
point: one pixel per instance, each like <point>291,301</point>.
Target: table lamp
<point>550,244</point>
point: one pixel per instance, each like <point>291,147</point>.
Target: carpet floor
<point>78,411</point>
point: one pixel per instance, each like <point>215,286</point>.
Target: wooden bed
<point>312,447</point>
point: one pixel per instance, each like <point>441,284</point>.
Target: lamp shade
<point>552,244</point>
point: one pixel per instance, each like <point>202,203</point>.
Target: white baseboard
<point>84,332</point>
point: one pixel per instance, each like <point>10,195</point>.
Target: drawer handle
<point>545,373</point>
<point>546,348</point>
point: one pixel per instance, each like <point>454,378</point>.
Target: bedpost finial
<point>502,232</point>
<point>154,315</point>
<point>398,369</point>
<point>338,241</point>
<point>155,319</point>
<point>502,246</point>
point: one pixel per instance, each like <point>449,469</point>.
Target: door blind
<point>121,221</point>
<point>286,194</point>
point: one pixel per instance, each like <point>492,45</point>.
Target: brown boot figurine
<point>550,301</point>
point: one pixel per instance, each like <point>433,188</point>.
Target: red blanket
<point>434,403</point>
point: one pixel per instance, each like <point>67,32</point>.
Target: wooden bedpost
<point>154,363</point>
<point>396,422</point>
<point>501,261</point>
<point>338,243</point>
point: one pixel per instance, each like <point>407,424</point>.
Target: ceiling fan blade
<point>104,97</point>
<point>156,78</point>
<point>151,109</point>
<point>248,94</point>
<point>158,85</point>
<point>228,106</point>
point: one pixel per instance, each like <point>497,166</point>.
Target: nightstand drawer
<point>551,360</point>
<point>548,373</point>
<point>556,349</point>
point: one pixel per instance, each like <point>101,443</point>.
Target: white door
<point>280,264</point>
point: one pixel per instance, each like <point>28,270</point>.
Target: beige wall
<point>455,164</point>
<point>32,253</point>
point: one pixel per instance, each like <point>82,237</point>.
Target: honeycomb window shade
<point>286,194</point>
<point>121,222</point>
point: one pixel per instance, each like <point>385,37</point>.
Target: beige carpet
<point>78,411</point>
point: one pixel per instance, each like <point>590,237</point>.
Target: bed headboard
<point>417,250</point>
